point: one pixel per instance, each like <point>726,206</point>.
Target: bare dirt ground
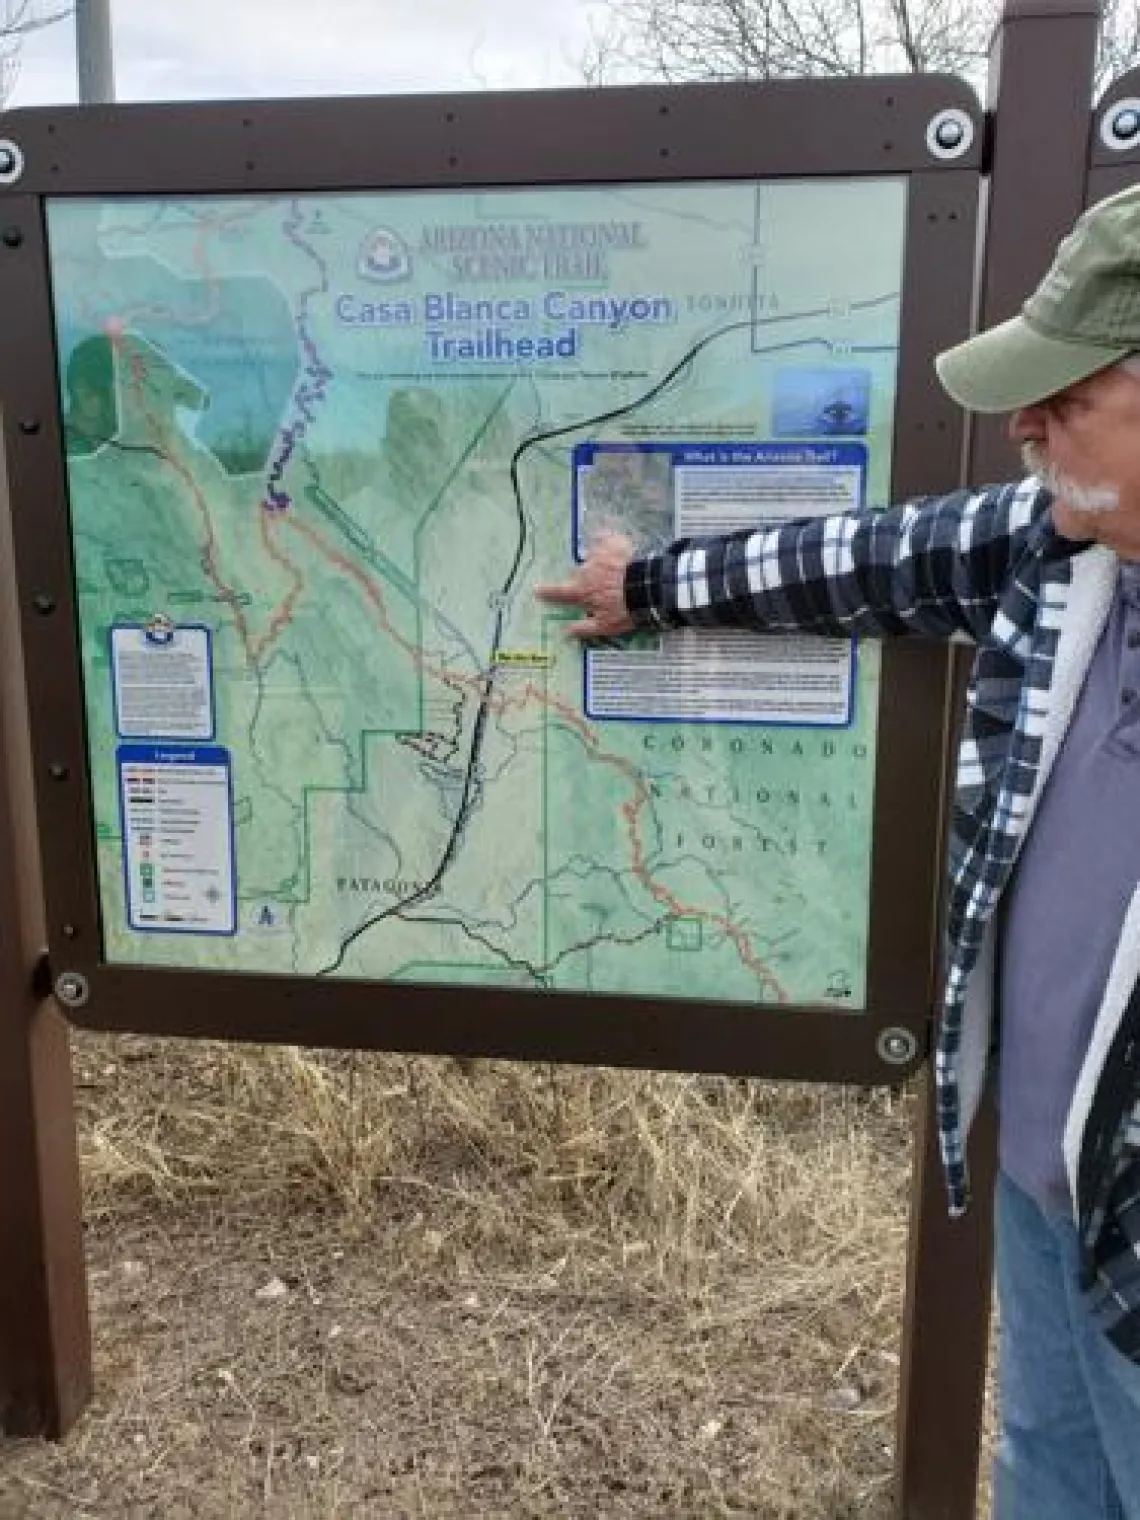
<point>337,1285</point>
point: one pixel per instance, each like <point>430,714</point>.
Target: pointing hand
<point>598,587</point>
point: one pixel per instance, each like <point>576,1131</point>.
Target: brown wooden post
<point>45,1351</point>
<point>1039,99</point>
<point>946,1329</point>
<point>1042,70</point>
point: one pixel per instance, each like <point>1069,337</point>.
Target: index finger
<point>564,593</point>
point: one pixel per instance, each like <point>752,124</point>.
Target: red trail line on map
<point>631,811</point>
<point>256,649</point>
<point>137,370</point>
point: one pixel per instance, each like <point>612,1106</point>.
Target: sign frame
<point>640,134</point>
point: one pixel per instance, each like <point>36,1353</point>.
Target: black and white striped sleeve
<point>934,567</point>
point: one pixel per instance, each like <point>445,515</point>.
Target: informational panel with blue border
<point>704,489</point>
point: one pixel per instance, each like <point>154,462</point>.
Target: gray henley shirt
<point>1078,868</point>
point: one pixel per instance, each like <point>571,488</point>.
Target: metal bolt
<point>11,162</point>
<point>58,771</point>
<point>72,989</point>
<point>29,426</point>
<point>12,237</point>
<point>70,931</point>
<point>1120,126</point>
<point>950,133</point>
<point>44,604</point>
<point>897,1046</point>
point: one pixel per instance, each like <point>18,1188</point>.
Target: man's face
<point>1085,443</point>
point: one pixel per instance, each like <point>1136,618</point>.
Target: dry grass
<point>333,1285</point>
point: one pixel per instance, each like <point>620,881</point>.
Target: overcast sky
<point>193,49</point>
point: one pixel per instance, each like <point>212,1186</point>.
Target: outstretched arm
<point>935,567</point>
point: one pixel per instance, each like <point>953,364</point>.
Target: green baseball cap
<point>1084,316</point>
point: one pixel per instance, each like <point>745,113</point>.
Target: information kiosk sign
<point>304,400</point>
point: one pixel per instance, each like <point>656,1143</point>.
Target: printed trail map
<point>321,449</point>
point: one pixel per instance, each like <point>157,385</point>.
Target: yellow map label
<point>533,657</point>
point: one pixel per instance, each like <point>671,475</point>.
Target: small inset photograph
<point>628,488</point>
<point>821,403</point>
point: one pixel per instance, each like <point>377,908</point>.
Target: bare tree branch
<point>1119,40</point>
<point>18,19</point>
<point>770,39</point>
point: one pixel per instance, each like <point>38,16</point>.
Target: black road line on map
<point>431,887</point>
<point>538,973</point>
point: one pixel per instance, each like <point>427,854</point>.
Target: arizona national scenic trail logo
<point>384,257</point>
<point>159,629</point>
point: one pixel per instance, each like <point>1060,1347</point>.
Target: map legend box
<point>178,854</point>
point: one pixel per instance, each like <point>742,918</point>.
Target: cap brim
<point>1014,365</point>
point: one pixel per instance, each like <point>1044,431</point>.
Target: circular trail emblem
<point>159,629</point>
<point>384,257</point>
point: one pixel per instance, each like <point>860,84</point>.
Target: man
<point>1043,577</point>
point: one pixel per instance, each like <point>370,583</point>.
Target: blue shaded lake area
<point>236,338</point>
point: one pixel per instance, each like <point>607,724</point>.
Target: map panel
<point>322,448</point>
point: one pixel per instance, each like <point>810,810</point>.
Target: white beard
<point>1071,492</point>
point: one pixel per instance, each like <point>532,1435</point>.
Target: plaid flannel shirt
<point>986,567</point>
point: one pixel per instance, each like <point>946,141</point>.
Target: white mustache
<point>1080,497</point>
